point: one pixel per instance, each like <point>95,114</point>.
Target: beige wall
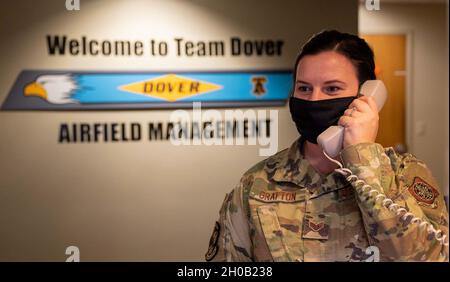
<point>146,201</point>
<point>427,107</point>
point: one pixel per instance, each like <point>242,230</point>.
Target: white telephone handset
<point>331,139</point>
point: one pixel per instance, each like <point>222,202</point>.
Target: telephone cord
<point>364,189</point>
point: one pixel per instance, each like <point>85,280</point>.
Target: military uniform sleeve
<point>230,240</point>
<point>403,210</point>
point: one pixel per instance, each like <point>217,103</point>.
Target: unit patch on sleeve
<point>423,192</point>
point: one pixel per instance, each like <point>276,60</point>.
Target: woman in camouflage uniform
<point>294,206</point>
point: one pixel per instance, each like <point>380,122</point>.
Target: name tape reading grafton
<point>69,90</point>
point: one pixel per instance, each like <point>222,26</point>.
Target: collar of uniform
<point>291,166</point>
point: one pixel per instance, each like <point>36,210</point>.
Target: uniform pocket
<point>272,232</point>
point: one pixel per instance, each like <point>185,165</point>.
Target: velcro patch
<point>423,192</point>
<point>278,196</point>
<point>213,248</point>
<point>316,227</point>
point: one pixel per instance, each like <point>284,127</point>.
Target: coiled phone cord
<point>365,189</point>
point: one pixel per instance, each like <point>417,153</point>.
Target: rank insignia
<point>316,227</point>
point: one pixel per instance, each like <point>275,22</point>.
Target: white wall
<point>427,28</point>
<point>143,201</point>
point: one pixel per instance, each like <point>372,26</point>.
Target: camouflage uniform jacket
<point>283,210</point>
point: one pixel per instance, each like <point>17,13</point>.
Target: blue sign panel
<point>62,90</point>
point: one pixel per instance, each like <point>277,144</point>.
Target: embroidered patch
<point>423,192</point>
<point>277,196</point>
<point>316,227</point>
<point>213,248</point>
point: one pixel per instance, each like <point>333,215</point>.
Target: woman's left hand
<point>360,121</point>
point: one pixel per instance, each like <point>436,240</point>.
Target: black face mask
<point>314,117</point>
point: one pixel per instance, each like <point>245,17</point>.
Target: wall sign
<point>74,90</point>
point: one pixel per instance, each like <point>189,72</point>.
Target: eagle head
<point>56,89</point>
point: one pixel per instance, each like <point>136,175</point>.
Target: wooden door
<point>390,61</point>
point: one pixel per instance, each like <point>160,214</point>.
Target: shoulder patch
<point>424,193</point>
<point>213,248</point>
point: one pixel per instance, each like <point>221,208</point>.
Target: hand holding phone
<point>331,140</point>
